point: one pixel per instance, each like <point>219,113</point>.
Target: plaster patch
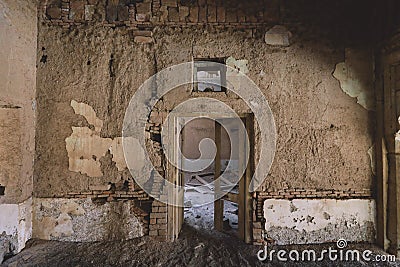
<point>72,208</point>
<point>355,75</point>
<point>313,220</point>
<point>238,64</point>
<point>134,152</point>
<point>63,226</point>
<point>82,220</point>
<point>45,229</point>
<point>15,221</point>
<point>88,112</point>
<point>85,147</point>
<point>398,133</point>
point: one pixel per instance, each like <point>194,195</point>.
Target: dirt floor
<point>194,248</point>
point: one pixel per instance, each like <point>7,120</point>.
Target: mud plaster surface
<point>323,134</point>
<point>18,20</point>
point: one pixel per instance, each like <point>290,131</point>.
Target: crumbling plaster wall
<point>322,132</point>
<point>93,70</point>
<point>324,135</point>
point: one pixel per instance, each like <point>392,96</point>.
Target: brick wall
<point>149,13</point>
<point>158,216</point>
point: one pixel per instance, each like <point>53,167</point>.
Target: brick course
<point>152,13</point>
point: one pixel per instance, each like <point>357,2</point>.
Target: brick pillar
<point>158,220</point>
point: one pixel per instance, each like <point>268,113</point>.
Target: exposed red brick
<point>162,232</point>
<point>77,10</point>
<point>211,2</point>
<point>164,221</point>
<point>170,3</point>
<point>173,14</point>
<point>157,215</point>
<point>203,14</point>
<point>162,209</point>
<point>183,14</point>
<point>221,14</point>
<point>53,12</point>
<point>143,8</point>
<point>241,16</point>
<point>153,233</point>
<point>212,13</point>
<point>123,13</point>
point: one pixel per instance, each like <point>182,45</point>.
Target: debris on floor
<point>193,248</point>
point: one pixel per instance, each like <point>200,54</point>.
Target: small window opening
<point>209,75</point>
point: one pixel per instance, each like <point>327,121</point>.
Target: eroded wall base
<point>85,220</point>
<point>307,221</point>
<point>16,226</point>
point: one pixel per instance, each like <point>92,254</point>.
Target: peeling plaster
<point>398,133</point>
<point>89,113</point>
<point>85,147</point>
<point>319,220</point>
<point>135,153</point>
<point>238,64</point>
<point>355,75</point>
